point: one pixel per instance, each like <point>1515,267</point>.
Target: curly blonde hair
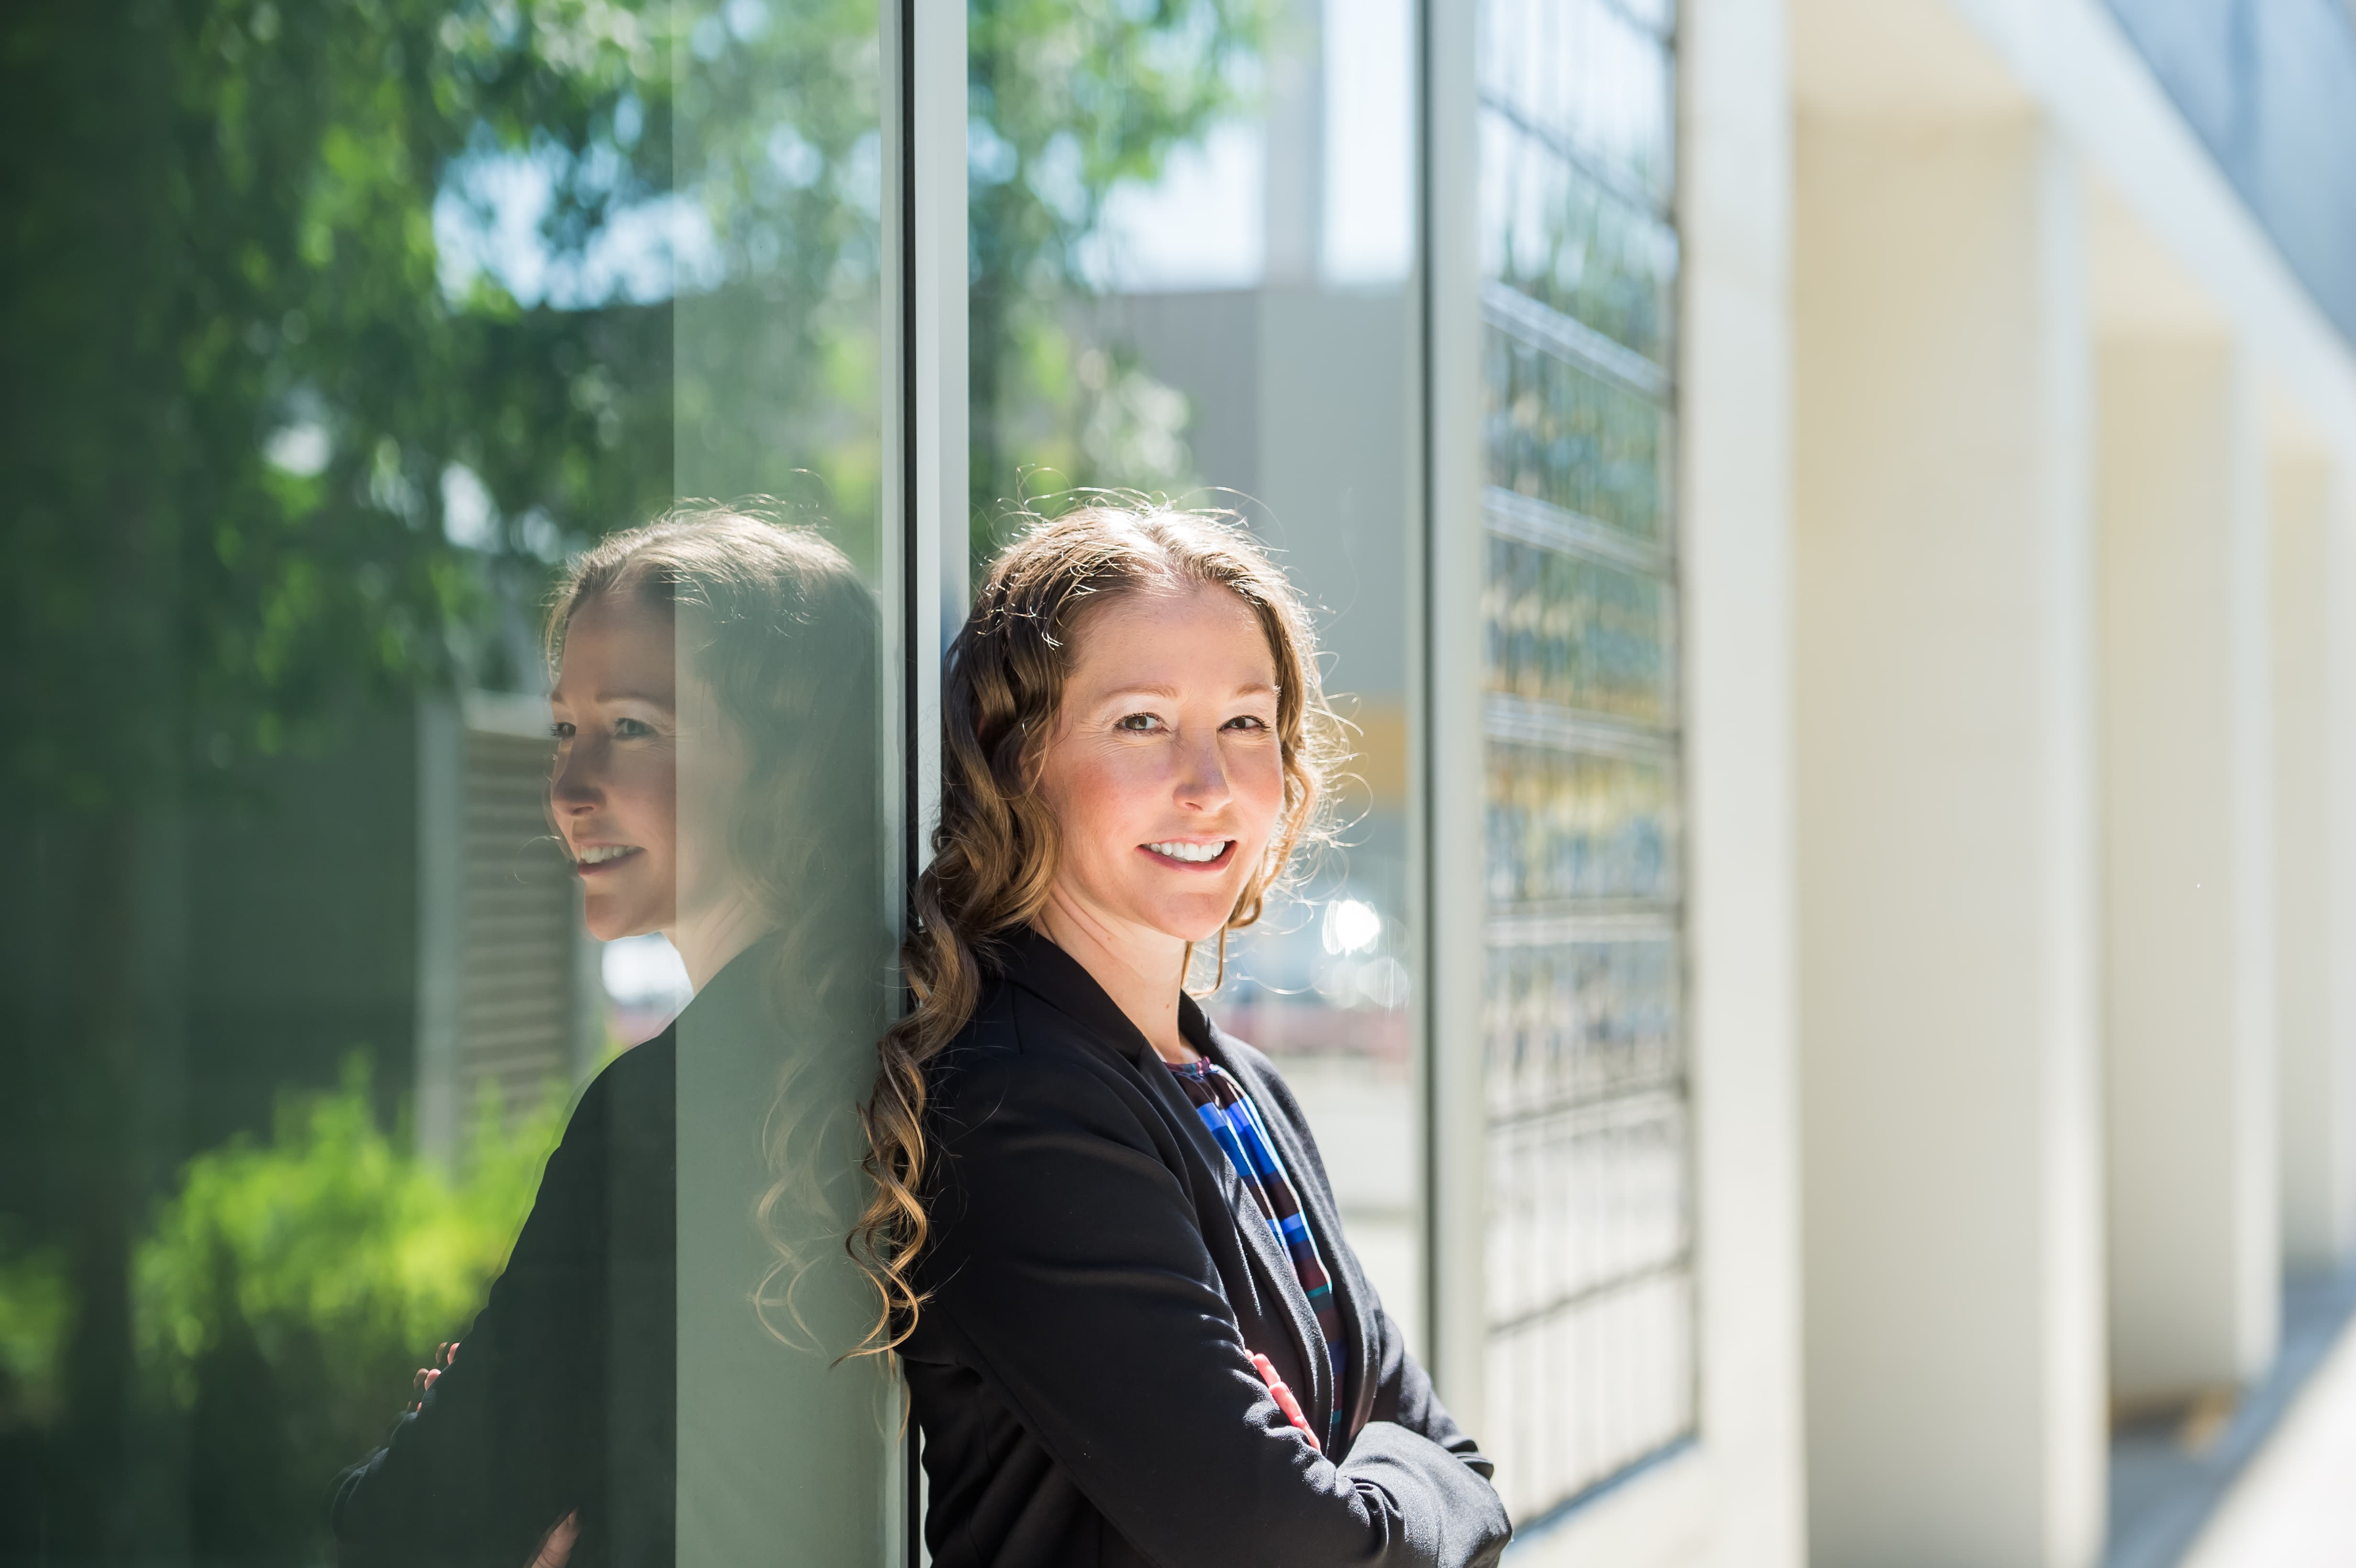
<point>995,850</point>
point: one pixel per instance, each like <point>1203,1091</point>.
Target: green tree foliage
<point>1068,100</point>
<point>284,1295</point>
<point>289,1288</point>
<point>777,376</point>
<point>234,382</point>
<point>35,1306</point>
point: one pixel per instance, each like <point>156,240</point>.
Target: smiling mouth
<point>1193,856</point>
<point>602,857</point>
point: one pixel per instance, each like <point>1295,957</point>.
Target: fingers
<point>557,1549</point>
<point>1285,1402</point>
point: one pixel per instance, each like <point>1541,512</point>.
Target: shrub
<point>288,1290</point>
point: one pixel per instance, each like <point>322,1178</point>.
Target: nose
<point>575,785</point>
<point>1201,782</point>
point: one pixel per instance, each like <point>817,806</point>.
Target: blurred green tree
<point>234,385</point>
<point>289,1288</point>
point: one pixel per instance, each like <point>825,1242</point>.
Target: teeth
<point>1194,854</point>
<point>602,853</point>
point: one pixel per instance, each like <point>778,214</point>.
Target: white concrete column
<point>2189,981</point>
<point>2317,1063</point>
<point>1735,550</point>
<point>2339,845</point>
<point>1950,1101</point>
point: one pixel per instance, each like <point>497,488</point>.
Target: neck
<point>1143,971</point>
<point>707,939</point>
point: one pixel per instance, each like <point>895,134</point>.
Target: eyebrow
<point>1250,689</point>
<point>649,698</point>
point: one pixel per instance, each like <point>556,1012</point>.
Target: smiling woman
<point>712,708</point>
<point>1165,776</point>
<point>1116,1275</point>
<point>615,791</point>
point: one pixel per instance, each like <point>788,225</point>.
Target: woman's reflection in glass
<point>655,1376</point>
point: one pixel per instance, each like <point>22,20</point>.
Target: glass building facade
<point>501,281</point>
<point>1231,323</point>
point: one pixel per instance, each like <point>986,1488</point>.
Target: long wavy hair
<point>995,850</point>
<point>774,620</point>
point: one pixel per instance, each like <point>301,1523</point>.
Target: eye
<point>561,730</point>
<point>633,728</point>
<point>1248,721</point>
<point>1138,723</point>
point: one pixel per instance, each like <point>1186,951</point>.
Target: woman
<point>713,705</point>
<point>1133,1330</point>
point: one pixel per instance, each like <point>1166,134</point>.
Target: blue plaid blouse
<point>1228,1113</point>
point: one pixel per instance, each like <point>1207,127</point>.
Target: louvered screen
<point>1590,1286</point>
<point>517,1018</point>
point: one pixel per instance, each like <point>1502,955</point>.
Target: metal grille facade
<point>1590,1288</point>
<point>521,977</point>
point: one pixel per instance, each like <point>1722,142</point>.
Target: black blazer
<point>563,1393</point>
<point>623,1366</point>
<point>1100,1280</point>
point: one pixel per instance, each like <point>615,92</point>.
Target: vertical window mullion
<point>1450,752</point>
<point>923,398</point>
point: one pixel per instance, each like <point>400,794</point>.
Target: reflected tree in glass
<point>1067,99</point>
<point>329,329</point>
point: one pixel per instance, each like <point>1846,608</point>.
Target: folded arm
<point>1073,1275</point>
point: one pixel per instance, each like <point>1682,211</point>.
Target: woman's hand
<point>443,1355</point>
<point>557,1549</point>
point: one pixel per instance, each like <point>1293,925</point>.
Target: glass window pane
<point>1572,1022</point>
<point>1560,433</point>
<point>402,308</point>
<point>1593,1196</point>
<point>785,1436</point>
<point>1562,238</point>
<point>1572,825</point>
<point>1590,1242</point>
<point>1591,1390</point>
<point>1592,77</point>
<point>1577,632</point>
<point>1193,228</point>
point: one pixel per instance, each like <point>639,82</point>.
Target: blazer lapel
<point>1324,1226</point>
<point>1271,1263</point>
<point>1351,1296</point>
<point>1034,963</point>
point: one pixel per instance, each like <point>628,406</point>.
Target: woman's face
<point>615,790</point>
<point>1164,771</point>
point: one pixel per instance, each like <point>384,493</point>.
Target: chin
<point>610,924</point>
<point>1197,929</point>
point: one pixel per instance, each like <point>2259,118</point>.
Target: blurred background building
<point>1834,1017</point>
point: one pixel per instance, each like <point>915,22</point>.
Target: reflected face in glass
<point>1165,773</point>
<point>615,790</point>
